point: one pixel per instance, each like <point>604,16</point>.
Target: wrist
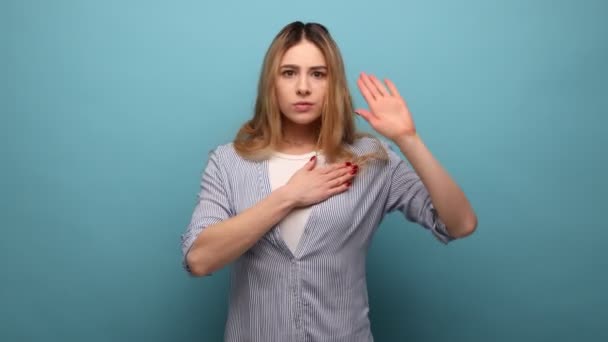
<point>285,198</point>
<point>406,140</point>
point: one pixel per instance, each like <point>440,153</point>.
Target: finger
<point>379,86</point>
<point>367,95</point>
<point>367,115</point>
<point>345,171</point>
<point>367,82</point>
<point>330,168</point>
<point>338,182</point>
<point>311,163</point>
<point>338,189</point>
<point>347,178</point>
<point>392,88</point>
<point>335,183</point>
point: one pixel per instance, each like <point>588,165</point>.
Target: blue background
<point>110,107</point>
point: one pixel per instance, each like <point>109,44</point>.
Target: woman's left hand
<point>388,113</point>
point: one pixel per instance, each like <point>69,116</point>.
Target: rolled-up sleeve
<point>212,205</point>
<point>408,195</point>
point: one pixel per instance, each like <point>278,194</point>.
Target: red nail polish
<point>348,164</point>
<point>348,184</point>
<point>313,158</point>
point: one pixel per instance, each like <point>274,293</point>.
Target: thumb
<point>365,114</point>
<point>311,164</point>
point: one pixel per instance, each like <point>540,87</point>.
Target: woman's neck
<point>298,139</point>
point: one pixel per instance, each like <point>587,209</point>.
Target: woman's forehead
<point>303,54</point>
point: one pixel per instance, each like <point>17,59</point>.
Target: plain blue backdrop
<point>110,107</point>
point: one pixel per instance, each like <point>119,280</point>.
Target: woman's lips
<point>301,107</point>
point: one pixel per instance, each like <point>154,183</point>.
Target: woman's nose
<point>303,88</point>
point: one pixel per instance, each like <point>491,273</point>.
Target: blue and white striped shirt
<point>319,292</point>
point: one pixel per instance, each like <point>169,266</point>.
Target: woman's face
<point>302,83</point>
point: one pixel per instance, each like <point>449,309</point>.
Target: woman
<point>295,199</point>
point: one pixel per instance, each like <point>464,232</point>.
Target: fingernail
<point>313,158</point>
<point>353,171</point>
<point>348,164</point>
<point>348,184</point>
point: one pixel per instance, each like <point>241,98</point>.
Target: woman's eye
<point>318,74</point>
<point>288,73</point>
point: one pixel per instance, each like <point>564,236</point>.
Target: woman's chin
<point>303,119</point>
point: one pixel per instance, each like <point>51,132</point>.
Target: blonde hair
<point>258,136</point>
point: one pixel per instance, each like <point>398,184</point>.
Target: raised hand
<point>388,113</point>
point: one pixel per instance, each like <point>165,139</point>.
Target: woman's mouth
<point>301,107</point>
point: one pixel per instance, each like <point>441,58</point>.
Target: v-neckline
<point>275,234</point>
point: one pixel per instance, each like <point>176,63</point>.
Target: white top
<point>281,167</point>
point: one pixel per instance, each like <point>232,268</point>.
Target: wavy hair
<point>257,138</point>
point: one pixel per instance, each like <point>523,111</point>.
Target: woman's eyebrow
<point>297,67</point>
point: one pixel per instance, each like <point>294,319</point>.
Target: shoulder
<point>223,151</point>
<point>367,145</point>
<point>227,152</point>
<point>225,157</point>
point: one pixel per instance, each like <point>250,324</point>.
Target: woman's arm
<point>220,243</point>
<point>453,208</point>
<point>390,116</point>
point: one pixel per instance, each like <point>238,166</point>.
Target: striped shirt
<point>318,292</point>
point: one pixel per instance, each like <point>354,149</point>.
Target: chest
<point>331,223</point>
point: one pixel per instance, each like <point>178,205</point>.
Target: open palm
<point>388,113</point>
